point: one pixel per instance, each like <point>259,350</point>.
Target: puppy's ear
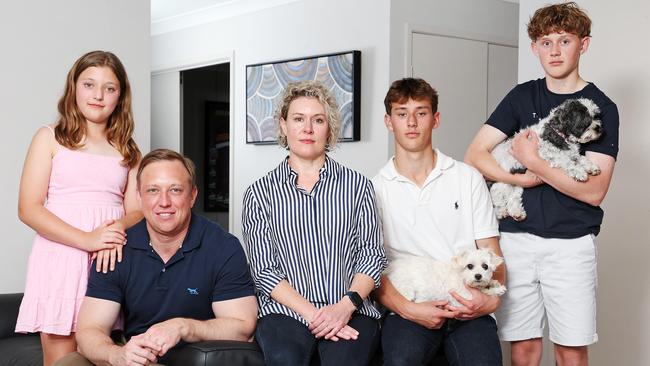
<point>460,258</point>
<point>495,260</point>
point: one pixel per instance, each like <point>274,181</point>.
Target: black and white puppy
<point>574,122</point>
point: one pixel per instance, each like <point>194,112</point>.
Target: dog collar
<point>563,136</point>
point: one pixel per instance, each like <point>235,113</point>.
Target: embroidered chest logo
<point>535,118</point>
<point>193,291</point>
<point>456,205</point>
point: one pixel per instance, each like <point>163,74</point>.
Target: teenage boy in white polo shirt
<point>432,205</point>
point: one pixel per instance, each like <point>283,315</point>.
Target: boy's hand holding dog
<point>429,314</point>
<point>525,147</point>
<point>480,304</point>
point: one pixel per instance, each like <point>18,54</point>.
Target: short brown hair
<point>558,18</point>
<point>167,155</point>
<point>310,89</point>
<point>414,88</point>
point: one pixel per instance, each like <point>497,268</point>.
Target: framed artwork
<point>339,72</point>
<point>217,140</point>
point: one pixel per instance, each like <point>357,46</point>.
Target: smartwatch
<point>357,301</point>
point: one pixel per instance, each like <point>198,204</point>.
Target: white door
<point>471,77</point>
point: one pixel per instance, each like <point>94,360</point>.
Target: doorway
<point>205,136</point>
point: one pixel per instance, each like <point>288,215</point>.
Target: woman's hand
<point>330,322</point>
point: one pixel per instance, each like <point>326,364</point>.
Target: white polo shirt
<point>451,210</point>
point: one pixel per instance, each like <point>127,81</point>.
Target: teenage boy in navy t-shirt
<point>551,255</point>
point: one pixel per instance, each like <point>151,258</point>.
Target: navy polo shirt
<point>550,213</point>
<point>210,266</point>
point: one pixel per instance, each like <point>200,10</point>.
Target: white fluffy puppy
<point>424,279</point>
<point>574,122</point>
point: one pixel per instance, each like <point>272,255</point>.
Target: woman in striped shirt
<point>314,243</point>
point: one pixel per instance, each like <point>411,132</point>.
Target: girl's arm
<point>132,211</point>
<point>107,258</point>
<point>33,193</point>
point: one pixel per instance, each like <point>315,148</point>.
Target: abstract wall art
<point>340,72</point>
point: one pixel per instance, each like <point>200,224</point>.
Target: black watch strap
<point>357,301</point>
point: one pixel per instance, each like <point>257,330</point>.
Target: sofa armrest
<point>216,353</point>
<point>9,305</point>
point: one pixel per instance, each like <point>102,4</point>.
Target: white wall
<point>40,41</point>
<point>293,30</point>
<point>165,116</point>
<point>493,21</point>
<point>305,28</point>
<point>617,62</point>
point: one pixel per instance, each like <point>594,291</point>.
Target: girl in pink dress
<point>77,191</point>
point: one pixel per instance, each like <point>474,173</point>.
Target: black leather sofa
<point>16,349</point>
<point>25,349</point>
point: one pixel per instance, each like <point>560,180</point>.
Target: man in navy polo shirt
<point>182,279</point>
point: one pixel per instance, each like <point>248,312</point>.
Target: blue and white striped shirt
<point>316,240</point>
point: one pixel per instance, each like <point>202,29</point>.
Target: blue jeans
<point>286,341</point>
<point>466,343</point>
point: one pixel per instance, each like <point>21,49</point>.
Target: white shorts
<point>552,279</point>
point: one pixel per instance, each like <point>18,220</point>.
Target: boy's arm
<point>525,149</point>
<point>429,314</point>
<point>479,155</point>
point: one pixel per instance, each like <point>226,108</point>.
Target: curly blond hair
<point>310,89</point>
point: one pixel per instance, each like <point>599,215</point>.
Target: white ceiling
<point>162,9</point>
<point>172,15</point>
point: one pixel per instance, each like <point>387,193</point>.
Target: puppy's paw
<point>495,289</point>
<point>580,176</point>
<point>517,214</point>
<point>501,212</point>
<point>519,217</point>
<point>593,170</point>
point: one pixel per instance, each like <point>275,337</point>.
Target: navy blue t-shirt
<point>550,213</point>
<point>210,266</point>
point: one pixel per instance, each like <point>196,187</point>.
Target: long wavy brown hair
<point>70,128</point>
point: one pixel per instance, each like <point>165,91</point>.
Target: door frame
<point>197,62</point>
